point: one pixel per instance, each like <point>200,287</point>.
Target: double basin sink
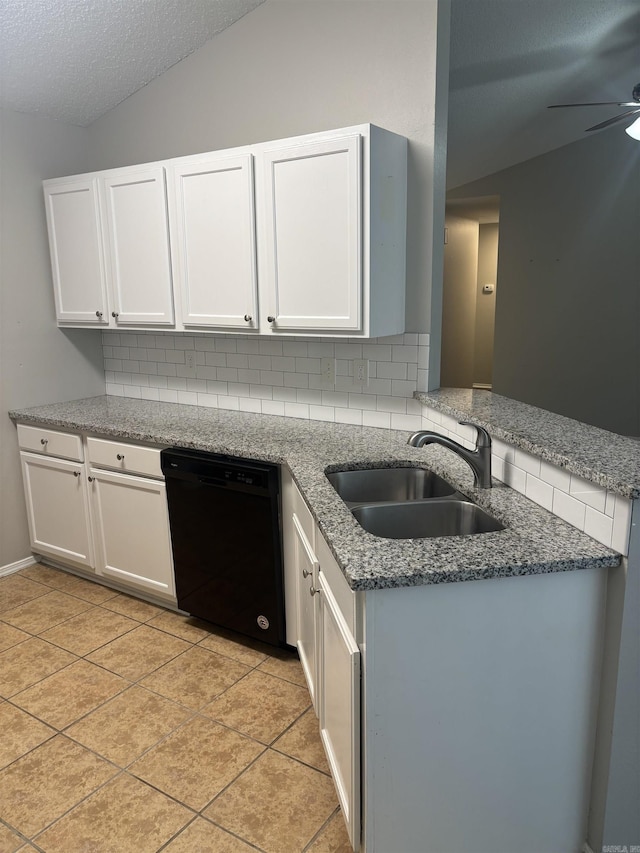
<point>409,503</point>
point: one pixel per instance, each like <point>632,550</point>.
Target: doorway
<point>470,289</point>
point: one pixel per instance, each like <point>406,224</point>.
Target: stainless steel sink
<point>420,519</point>
<point>389,484</point>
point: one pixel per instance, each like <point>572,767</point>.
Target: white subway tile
<point>115,389</point>
<point>238,389</point>
<point>297,380</point>
<point>237,359</point>
<point>348,351</point>
<point>408,422</point>
<point>398,405</point>
<point>598,525</point>
<point>394,340</point>
<point>557,477</point>
<point>247,404</point>
<point>260,362</point>
<point>414,407</point>
<point>186,342</point>
<point>226,345</point>
<point>227,374</point>
<point>321,349</point>
<point>252,376</point>
<point>344,367</point>
<point>175,356</point>
<point>215,387</point>
<point>404,353</point>
<point>379,386</point>
<point>150,393</point>
<point>432,415</point>
<point>412,373</point>
<point>261,392</point>
<point>177,384</point>
<point>410,338</point>
<point>391,370</point>
<point>423,339</point>
<point>158,381</point>
<point>113,364</point>
<point>376,419</point>
<point>335,398</point>
<point>348,416</point>
<point>568,508</point>
<point>270,346</point>
<point>226,402</point>
<point>208,400</point>
<point>205,344</point>
<point>111,338</point>
<point>272,407</point>
<point>497,468</point>
<point>303,395</point>
<point>402,388</point>
<point>164,342</point>
<point>132,391</point>
<point>209,373</point>
<point>296,410</point>
<point>215,359</point>
<point>322,413</point>
<point>271,377</point>
<point>295,348</point>
<point>362,401</point>
<point>514,477</point>
<point>188,398</point>
<point>423,380</point>
<point>197,385</point>
<point>286,395</point>
<point>121,352</point>
<point>167,396</point>
<point>587,492</point>
<point>621,525</point>
<point>610,504</point>
<point>283,363</point>
<point>539,491</point>
<point>376,352</point>
<point>248,346</point>
<point>528,462</point>
<point>308,365</point>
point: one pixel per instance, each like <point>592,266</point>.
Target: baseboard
<point>10,568</point>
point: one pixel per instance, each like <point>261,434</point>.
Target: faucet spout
<point>479,459</point>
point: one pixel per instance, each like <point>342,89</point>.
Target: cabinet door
<point>136,232</point>
<point>313,235</point>
<point>212,219</point>
<point>131,524</point>
<point>307,566</point>
<point>339,706</point>
<point>75,243</point>
<point>57,508</point>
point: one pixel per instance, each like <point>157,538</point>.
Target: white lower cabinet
<point>84,515</point>
<point>58,508</point>
<point>307,598</point>
<point>131,527</point>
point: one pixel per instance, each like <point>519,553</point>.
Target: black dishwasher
<point>227,546</point>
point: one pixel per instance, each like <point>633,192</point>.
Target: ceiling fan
<point>635,104</point>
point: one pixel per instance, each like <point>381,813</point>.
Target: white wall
<point>292,67</point>
<point>459,302</point>
<point>485,303</point>
<point>567,311</point>
<point>38,362</point>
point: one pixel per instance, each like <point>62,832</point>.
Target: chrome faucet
<point>479,459</point>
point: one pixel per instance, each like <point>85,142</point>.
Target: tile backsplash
<point>273,376</point>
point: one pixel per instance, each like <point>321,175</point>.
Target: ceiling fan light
<point>634,129</point>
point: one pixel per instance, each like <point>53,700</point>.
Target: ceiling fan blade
<point>597,104</point>
<point>614,120</point>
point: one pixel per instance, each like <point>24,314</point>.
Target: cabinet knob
<point>115,315</point>
<point>91,479</point>
<point>313,590</point>
<point>271,319</point>
<point>44,441</point>
<point>99,315</point>
<point>120,457</point>
<point>248,318</point>
<point>76,473</point>
<point>305,573</point>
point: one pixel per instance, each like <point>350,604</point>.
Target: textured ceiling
<point>74,60</point>
<point>511,58</point>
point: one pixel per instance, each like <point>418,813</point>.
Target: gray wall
<point>568,308</point>
<point>294,67</point>
<point>38,362</point>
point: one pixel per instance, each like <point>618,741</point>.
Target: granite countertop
<point>534,541</point>
<point>603,457</point>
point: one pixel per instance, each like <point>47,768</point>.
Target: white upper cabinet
<point>212,219</point>
<point>136,234</point>
<point>75,242</point>
<point>313,243</point>
<point>313,231</point>
<point>333,235</point>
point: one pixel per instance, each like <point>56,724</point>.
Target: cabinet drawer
<point>124,457</point>
<point>50,442</point>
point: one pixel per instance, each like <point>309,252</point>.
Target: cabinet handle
<point>115,315</point>
<point>76,473</point>
<point>99,315</point>
<point>248,318</point>
<point>305,573</point>
<point>91,479</point>
<point>44,441</point>
<point>120,457</point>
<point>313,590</point>
<point>271,319</point>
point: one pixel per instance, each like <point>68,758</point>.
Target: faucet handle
<point>483,439</point>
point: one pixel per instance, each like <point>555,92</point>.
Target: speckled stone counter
<point>603,457</point>
<point>533,541</point>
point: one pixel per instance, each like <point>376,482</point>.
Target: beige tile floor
<point>127,728</point>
